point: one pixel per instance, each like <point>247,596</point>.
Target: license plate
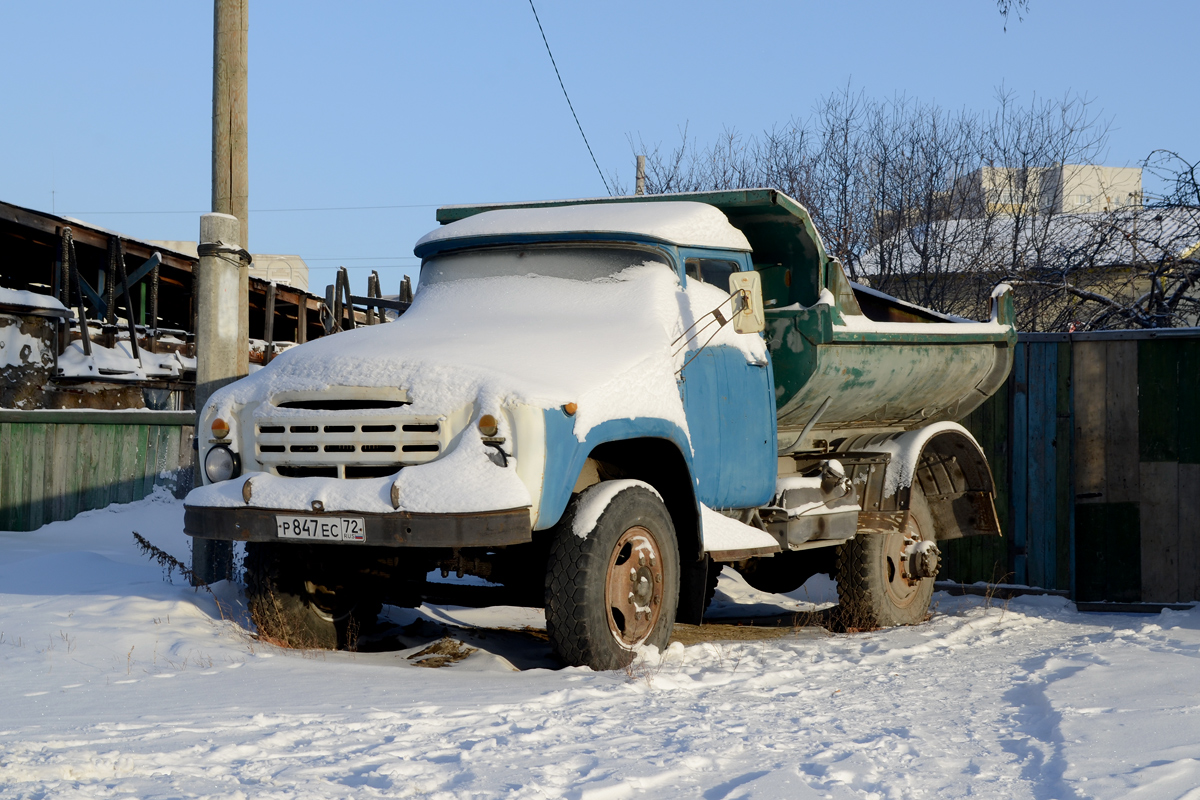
<point>321,529</point>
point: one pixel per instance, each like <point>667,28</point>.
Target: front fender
<point>565,454</point>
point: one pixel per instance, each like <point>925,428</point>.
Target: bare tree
<point>1015,8</point>
<point>936,206</point>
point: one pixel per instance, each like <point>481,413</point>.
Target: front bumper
<point>397,529</point>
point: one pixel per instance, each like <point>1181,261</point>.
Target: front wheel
<point>616,586</point>
<point>886,579</point>
<point>305,599</point>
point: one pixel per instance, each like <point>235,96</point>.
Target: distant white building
<point>286,270</point>
<point>1066,188</point>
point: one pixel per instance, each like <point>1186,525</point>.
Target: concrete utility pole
<point>220,341</point>
<point>222,279</point>
<point>640,185</point>
<point>218,305</point>
<point>230,177</point>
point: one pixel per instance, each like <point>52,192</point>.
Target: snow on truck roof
<point>684,223</point>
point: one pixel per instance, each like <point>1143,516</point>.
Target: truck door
<point>730,408</point>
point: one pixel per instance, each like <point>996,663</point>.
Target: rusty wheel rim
<point>902,589</point>
<point>633,589</point>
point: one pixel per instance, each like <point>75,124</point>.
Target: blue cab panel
<point>731,418</point>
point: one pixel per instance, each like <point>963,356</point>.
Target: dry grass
<point>442,653</point>
<point>170,563</point>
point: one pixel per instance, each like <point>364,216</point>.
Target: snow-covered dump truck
<point>597,404</point>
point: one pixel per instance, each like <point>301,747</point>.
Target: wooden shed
<point>1095,446</point>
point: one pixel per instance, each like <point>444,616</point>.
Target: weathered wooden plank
<point>170,450</point>
<point>76,456</point>
<point>1108,552</point>
<point>1001,461</point>
<point>95,416</point>
<point>1064,501</point>
<point>1042,463</point>
<point>87,467</point>
<point>1121,422</point>
<point>37,468</point>
<point>127,491</point>
<point>138,469</point>
<point>151,474</point>
<point>25,487</point>
<point>1035,480</point>
<point>1189,402</point>
<point>1088,361</point>
<point>60,472</point>
<point>1189,532</point>
<point>187,456</point>
<point>49,465</point>
<point>1158,400</point>
<point>7,468</point>
<point>1160,531</point>
<point>1048,517</point>
<point>1019,436</point>
<point>105,490</point>
<point>18,456</point>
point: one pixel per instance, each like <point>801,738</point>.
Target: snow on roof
<point>20,297</point>
<point>680,223</point>
<point>1117,238</point>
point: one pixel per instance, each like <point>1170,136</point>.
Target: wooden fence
<point>1095,446</point>
<point>55,464</point>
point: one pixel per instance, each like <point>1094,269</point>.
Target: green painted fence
<point>1095,446</point>
<point>57,463</point>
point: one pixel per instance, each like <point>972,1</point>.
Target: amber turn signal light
<point>220,428</point>
<point>569,409</point>
<point>488,425</point>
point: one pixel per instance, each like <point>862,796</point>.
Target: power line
<point>569,104</point>
<point>268,210</point>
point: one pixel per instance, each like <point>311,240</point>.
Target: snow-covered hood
<point>608,346</point>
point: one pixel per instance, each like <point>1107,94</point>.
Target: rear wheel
<point>302,599</point>
<point>886,579</point>
<point>615,588</point>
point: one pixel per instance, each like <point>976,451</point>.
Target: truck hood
<point>609,346</point>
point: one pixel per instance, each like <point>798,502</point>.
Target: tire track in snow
<point>961,706</point>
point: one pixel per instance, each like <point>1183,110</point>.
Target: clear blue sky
<point>106,106</point>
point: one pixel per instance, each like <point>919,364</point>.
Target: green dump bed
<point>882,363</point>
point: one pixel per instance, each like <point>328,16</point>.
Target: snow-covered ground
<point>117,683</point>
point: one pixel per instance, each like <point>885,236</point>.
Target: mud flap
<point>693,585</point>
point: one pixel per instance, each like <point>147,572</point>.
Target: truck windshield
<point>576,262</point>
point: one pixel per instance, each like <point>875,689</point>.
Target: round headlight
<point>220,464</point>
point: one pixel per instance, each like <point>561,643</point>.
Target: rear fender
<point>947,463</point>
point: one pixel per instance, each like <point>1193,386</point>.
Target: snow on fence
<point>57,463</point>
<point>1094,443</point>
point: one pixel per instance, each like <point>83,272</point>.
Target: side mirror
<point>748,309</point>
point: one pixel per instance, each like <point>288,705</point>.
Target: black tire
<point>587,601</point>
<point>874,590</point>
<point>305,599</point>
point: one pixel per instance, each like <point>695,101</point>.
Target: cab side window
<point>713,271</point>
